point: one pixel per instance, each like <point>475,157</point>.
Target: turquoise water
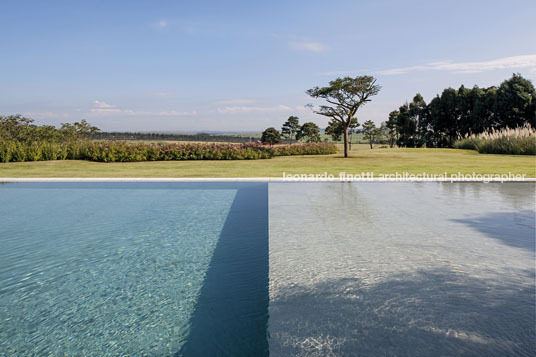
<point>132,268</point>
<point>186,269</point>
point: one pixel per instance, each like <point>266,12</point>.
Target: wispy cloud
<point>247,109</point>
<point>104,109</point>
<point>308,46</point>
<point>515,62</point>
<point>102,105</point>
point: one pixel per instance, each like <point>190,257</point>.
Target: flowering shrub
<point>305,149</point>
<point>124,152</point>
<point>517,141</point>
<point>115,151</point>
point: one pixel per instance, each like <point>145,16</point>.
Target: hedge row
<point>12,151</point>
<point>305,149</point>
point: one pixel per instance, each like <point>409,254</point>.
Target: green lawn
<point>379,161</point>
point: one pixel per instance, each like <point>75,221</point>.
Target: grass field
<point>379,161</point>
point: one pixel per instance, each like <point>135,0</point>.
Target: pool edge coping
<point>251,179</point>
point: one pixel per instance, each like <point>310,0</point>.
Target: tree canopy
<point>370,132</point>
<point>290,128</point>
<point>344,97</point>
<point>309,132</point>
<point>336,129</point>
<point>270,136</point>
<point>22,129</point>
<point>515,102</point>
<point>457,112</point>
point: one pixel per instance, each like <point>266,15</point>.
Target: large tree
<point>457,112</point>
<point>270,136</point>
<point>417,111</point>
<point>345,96</point>
<point>290,128</point>
<point>309,132</point>
<point>406,127</point>
<point>370,132</point>
<point>15,127</point>
<point>391,130</point>
<point>77,130</point>
<point>515,102</point>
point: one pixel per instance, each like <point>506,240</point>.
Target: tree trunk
<point>370,144</point>
<point>346,142</point>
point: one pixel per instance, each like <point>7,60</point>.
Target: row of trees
<point>369,130</point>
<point>125,135</point>
<point>310,132</point>
<point>456,113</point>
<point>292,130</point>
<point>342,99</point>
<point>20,129</point>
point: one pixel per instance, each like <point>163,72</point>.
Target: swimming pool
<point>402,268</point>
<point>253,268</point>
<point>133,268</point>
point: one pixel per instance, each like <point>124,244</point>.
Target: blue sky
<point>245,65</point>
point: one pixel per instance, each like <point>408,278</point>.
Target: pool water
<point>132,268</point>
<point>402,269</point>
<point>251,269</point>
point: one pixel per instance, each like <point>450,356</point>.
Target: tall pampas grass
<point>513,141</point>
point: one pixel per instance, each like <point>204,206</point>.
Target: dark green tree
<point>471,111</point>
<point>447,118</point>
<point>417,112</point>
<point>406,127</point>
<point>270,136</point>
<point>336,129</point>
<point>370,132</point>
<point>351,130</point>
<point>84,129</point>
<point>474,111</point>
<point>485,116</point>
<point>391,131</point>
<point>515,102</point>
<point>464,111</point>
<point>309,132</point>
<point>384,134</point>
<point>290,128</point>
<point>345,96</point>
